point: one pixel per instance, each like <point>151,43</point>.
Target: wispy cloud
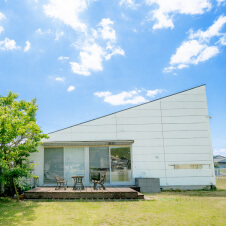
<point>220,152</point>
<point>163,15</point>
<point>198,47</point>
<point>63,58</point>
<point>70,88</point>
<point>114,50</point>
<point>60,79</point>
<point>27,46</point>
<point>59,35</point>
<point>153,93</point>
<point>1,29</point>
<point>221,1</point>
<point>8,45</point>
<point>136,96</point>
<point>41,32</point>
<point>2,17</point>
<point>212,31</point>
<point>129,3</point>
<point>68,12</point>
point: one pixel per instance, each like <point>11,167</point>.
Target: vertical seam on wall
<point>210,140</point>
<point>116,126</point>
<point>163,142</point>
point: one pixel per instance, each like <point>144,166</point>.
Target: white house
<point>168,138</point>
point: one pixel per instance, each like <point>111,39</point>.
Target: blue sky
<point>83,59</point>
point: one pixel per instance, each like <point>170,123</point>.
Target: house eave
<point>87,143</point>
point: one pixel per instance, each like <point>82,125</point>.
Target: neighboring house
<point>219,161</point>
<point>168,138</point>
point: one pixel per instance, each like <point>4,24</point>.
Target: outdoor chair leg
<point>102,186</point>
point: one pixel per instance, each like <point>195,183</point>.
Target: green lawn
<point>166,208</point>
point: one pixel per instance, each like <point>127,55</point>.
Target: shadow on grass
<point>220,193</point>
<point>83,200</point>
<point>13,213</point>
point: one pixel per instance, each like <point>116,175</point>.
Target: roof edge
<point>128,108</point>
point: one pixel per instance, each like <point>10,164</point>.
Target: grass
<point>165,208</point>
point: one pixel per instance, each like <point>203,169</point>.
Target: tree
<point>19,137</point>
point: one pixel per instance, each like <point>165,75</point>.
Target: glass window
<point>99,162</point>
<point>74,163</point>
<point>190,166</point>
<point>120,164</point>
<point>53,164</point>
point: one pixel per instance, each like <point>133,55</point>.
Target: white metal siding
<point>171,130</point>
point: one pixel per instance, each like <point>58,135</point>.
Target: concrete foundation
<point>186,187</point>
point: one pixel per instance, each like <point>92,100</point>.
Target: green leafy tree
<point>19,137</point>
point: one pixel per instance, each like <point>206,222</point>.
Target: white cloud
<point>63,58</point>
<point>122,98</point>
<point>220,152</point>
<point>166,9</point>
<point>1,29</point>
<point>212,31</point>
<point>27,47</point>
<point>115,51</point>
<point>131,97</point>
<point>198,47</point>
<point>181,66</point>
<point>129,3</point>
<point>41,32</point>
<point>207,53</point>
<point>92,44</point>
<point>153,93</point>
<point>168,69</point>
<point>60,79</point>
<point>187,52</point>
<point>192,52</point>
<point>91,58</point>
<point>106,31</point>
<point>2,16</point>
<point>67,11</point>
<point>8,44</point>
<point>102,94</point>
<point>92,54</point>
<point>58,35</point>
<point>70,88</point>
<point>221,1</point>
<point>222,41</point>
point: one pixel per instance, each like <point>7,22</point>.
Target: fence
<point>220,172</point>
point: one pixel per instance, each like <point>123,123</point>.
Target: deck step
<point>87,193</point>
<point>140,195</point>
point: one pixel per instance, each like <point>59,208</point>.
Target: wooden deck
<point>87,193</point>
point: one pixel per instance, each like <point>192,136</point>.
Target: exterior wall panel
<point>174,129</point>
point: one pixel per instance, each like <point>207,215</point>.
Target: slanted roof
<point>219,158</point>
<point>128,108</point>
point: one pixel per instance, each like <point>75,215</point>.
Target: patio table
<point>78,181</point>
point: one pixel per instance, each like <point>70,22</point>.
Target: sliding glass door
<point>74,164</point>
<point>115,161</point>
<point>53,164</point>
<point>99,163</point>
<point>66,162</point>
<point>120,164</point>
